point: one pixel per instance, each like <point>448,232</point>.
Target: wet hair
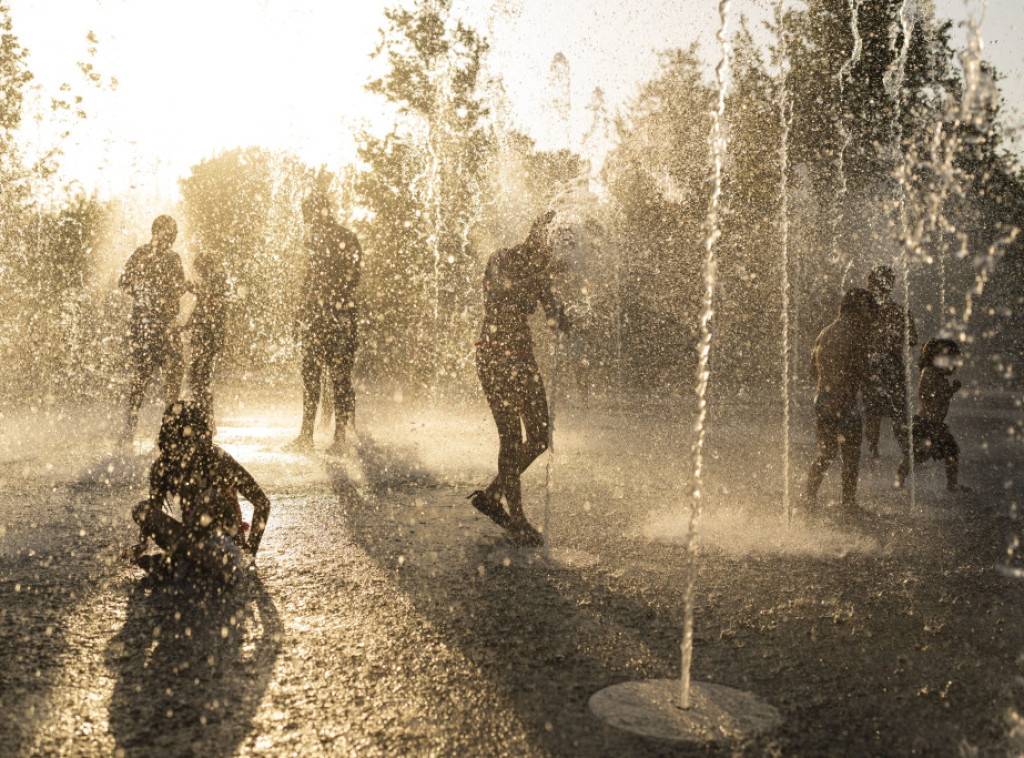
<point>935,347</point>
<point>882,278</point>
<point>184,424</point>
<point>164,223</point>
<point>858,301</point>
<point>317,203</point>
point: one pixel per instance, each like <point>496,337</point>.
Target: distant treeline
<point>887,156</point>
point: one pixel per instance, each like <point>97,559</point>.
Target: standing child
<point>328,319</point>
<point>841,371</point>
<point>932,438</point>
<point>207,324</point>
<point>156,281</point>
<point>515,281</point>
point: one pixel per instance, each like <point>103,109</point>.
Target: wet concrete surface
<point>387,617</point>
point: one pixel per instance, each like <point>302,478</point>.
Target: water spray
<point>785,120</point>
<point>839,201</point>
<point>893,80</point>
<point>666,709</point>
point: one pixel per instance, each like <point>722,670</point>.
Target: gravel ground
<point>387,617</point>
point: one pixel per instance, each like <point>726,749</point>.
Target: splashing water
<point>785,120</point>
<point>719,144</point>
<point>979,93</point>
<point>561,85</point>
<point>839,201</point>
<point>979,89</point>
<point>893,80</point>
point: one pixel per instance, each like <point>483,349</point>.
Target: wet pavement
<point>387,617</point>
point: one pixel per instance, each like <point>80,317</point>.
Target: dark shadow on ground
<point>54,561</point>
<point>905,651</point>
<point>545,636</point>
<point>192,664</point>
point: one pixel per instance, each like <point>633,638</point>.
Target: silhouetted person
<point>155,279</point>
<point>887,395</point>
<point>207,323</point>
<point>204,482</point>
<point>932,438</point>
<point>327,318</point>
<point>515,280</point>
<point>841,369</point>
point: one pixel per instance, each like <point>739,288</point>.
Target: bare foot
<point>490,507</point>
<point>301,444</point>
<point>131,554</point>
<point>337,448</point>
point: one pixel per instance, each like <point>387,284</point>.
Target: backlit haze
<point>196,77</point>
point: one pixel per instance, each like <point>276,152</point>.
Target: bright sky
<point>199,76</point>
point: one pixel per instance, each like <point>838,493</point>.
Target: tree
<point>422,188</point>
<point>927,181</point>
<point>748,321</point>
<point>244,205</point>
<point>658,181</point>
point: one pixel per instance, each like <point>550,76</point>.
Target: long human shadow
<point>49,572</point>
<point>532,626</point>
<point>192,664</point>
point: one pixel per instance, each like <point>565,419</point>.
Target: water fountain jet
<point>666,709</point>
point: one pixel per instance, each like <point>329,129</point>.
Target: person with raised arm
<point>515,280</point>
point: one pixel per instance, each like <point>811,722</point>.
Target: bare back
<point>840,359</point>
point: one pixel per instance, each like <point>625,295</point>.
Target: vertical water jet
<point>893,80</point>
<point>785,120</point>
<point>682,711</point>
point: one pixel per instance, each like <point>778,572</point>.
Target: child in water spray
<point>932,437</point>
<point>205,482</point>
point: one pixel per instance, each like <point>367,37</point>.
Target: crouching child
<point>932,437</point>
<point>205,482</point>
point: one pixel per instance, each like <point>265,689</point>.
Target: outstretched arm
<point>251,491</point>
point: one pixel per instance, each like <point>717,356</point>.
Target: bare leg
<point>536,421</point>
<point>342,362</point>
<point>872,426</point>
<point>850,453</point>
<point>952,481</point>
<point>310,396</point>
<point>165,531</point>
<point>174,368</point>
<point>828,447</point>
<point>516,396</point>
<point>902,470</point>
<point>141,373</point>
<point>200,379</point>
